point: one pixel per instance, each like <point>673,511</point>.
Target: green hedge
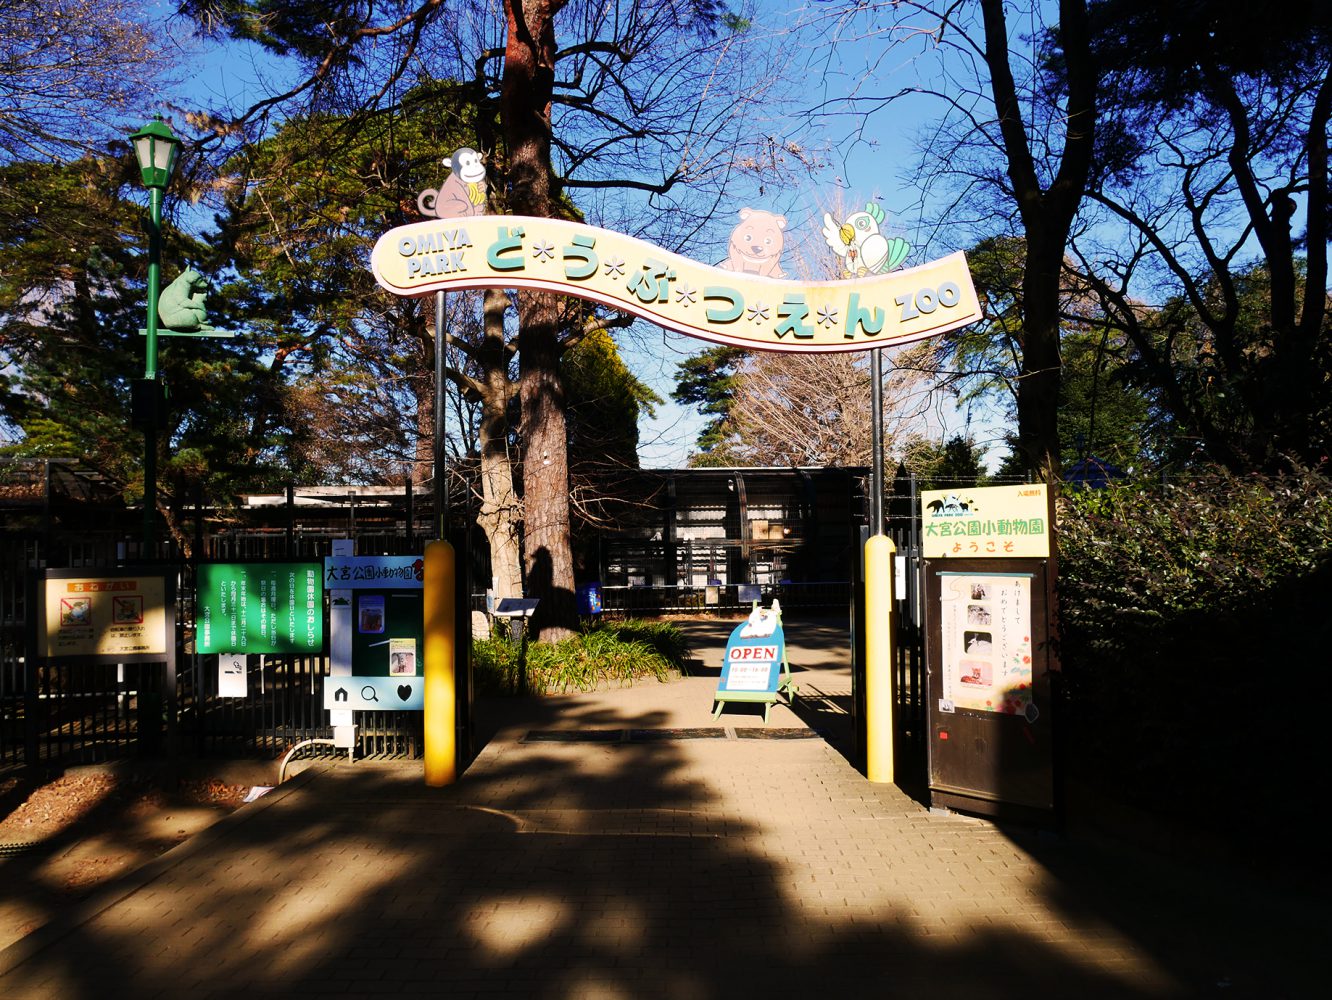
<point>1187,612</point>
<point>611,653</point>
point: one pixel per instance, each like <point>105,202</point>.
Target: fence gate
<point>57,715</point>
<point>909,716</point>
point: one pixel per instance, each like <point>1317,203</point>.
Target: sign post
<point>755,668</point>
<point>109,616</point>
<point>987,650</point>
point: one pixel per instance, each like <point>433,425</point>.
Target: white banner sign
<point>232,677</point>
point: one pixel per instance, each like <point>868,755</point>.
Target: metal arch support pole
<point>880,728</point>
<point>876,442</point>
<point>440,472</point>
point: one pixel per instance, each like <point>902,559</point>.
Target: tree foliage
<point>1211,190</point>
<point>1106,410</point>
<point>304,208</point>
<point>797,409</point>
<point>71,72</point>
<point>605,402</point>
<point>1176,599</point>
<point>72,298</point>
<point>1019,157</point>
<point>707,380</point>
<point>954,462</point>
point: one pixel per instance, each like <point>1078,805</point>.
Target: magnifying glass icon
<point>368,693</point>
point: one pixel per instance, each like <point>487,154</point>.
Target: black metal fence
<point>909,633</point>
<point>829,597</point>
<point>81,713</point>
<point>87,713</point>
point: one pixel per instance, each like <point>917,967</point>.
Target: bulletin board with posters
<point>990,671</point>
<point>387,612</point>
<point>388,632</point>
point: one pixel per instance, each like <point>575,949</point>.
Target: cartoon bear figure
<point>181,307</point>
<point>463,192</point>
<point>756,244</point>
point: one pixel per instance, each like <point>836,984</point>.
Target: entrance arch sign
<point>699,300</point>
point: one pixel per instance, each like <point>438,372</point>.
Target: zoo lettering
<point>729,302</point>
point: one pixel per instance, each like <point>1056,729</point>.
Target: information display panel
<point>260,608</point>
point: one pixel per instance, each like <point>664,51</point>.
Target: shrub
<point>1181,607</point>
<point>665,638</point>
<point>620,652</point>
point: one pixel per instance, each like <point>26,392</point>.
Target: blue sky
<point>867,157</point>
<point>872,165</point>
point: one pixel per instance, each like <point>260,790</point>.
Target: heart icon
<point>404,691</point>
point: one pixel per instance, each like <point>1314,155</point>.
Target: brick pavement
<point>659,868</point>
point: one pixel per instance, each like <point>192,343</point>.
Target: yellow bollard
<point>441,751</point>
<point>879,551</point>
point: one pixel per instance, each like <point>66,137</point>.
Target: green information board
<point>260,608</point>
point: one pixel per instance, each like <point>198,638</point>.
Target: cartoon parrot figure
<point>863,249</point>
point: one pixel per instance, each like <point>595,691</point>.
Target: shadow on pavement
<point>675,869</point>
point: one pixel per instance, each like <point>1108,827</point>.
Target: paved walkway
<point>694,864</point>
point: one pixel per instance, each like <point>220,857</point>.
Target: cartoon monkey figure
<point>181,305</point>
<point>756,244</point>
<point>463,191</point>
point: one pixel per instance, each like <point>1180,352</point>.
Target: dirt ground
<point>63,838</point>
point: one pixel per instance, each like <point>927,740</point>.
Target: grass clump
<point>613,653</point>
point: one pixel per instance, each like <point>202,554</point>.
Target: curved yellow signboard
<point>712,303</point>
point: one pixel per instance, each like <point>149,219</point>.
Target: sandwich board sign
<point>754,668</point>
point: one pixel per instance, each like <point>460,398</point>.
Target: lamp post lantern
<point>156,149</point>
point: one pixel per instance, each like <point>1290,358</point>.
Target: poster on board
<point>233,675</point>
<point>986,643</point>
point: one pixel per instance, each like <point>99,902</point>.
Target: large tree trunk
<point>1047,216</point>
<point>1038,385</point>
<point>500,506</point>
<point>525,103</point>
<point>547,551</point>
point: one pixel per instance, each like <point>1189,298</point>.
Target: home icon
<point>340,694</point>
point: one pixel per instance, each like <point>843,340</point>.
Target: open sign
<point>752,653</point>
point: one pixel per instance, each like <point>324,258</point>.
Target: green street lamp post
<point>156,149</point>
